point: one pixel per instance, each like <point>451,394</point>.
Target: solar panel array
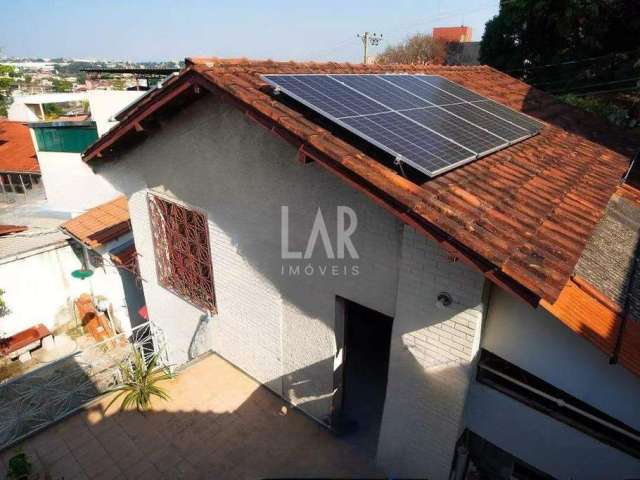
<point>425,121</point>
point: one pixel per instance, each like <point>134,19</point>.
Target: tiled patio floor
<point>219,424</point>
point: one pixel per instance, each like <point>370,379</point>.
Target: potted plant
<point>140,382</point>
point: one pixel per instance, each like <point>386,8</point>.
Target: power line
<point>569,62</point>
<point>599,84</point>
<point>600,92</point>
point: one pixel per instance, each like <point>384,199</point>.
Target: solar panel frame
<point>350,122</point>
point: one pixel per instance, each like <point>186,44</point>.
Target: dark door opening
<point>362,382</point>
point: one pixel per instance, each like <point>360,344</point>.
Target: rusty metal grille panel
<point>182,251</point>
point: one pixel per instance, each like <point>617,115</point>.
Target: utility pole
<point>367,39</point>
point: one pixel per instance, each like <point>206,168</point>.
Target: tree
<point>7,83</point>
<point>528,35</point>
<point>61,85</point>
<point>418,49</point>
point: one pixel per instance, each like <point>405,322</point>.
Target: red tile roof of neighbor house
<point>521,215</point>
<point>452,34</point>
<point>100,224</point>
<point>17,154</point>
<point>9,229</point>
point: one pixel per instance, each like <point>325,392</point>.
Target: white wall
<point>70,184</point>
<point>537,342</point>
<point>280,329</point>
<point>19,112</point>
<point>106,103</point>
<point>430,361</point>
<point>40,289</point>
<point>277,328</point>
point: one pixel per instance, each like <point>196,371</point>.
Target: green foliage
<point>61,85</point>
<point>19,467</point>
<point>528,34</point>
<point>52,111</point>
<point>418,49</point>
<point>4,309</point>
<point>139,382</point>
<point>611,112</point>
<point>118,84</point>
<point>7,83</point>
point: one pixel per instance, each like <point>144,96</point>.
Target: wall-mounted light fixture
<point>443,300</point>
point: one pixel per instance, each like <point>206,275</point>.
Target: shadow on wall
<point>245,212</point>
<point>237,432</point>
<point>134,296</point>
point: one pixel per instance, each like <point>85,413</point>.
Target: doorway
<point>364,340</point>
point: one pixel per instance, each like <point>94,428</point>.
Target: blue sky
<point>169,29</point>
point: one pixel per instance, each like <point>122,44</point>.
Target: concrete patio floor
<point>219,424</point>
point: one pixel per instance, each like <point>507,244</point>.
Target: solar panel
<point>512,116</point>
<point>413,85</point>
<point>425,121</point>
<point>466,134</point>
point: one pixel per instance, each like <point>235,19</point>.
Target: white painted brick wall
<point>281,330</point>
<point>431,353</point>
<point>278,329</point>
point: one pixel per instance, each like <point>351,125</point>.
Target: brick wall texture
<point>280,328</point>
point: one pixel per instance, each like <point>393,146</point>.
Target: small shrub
<point>19,467</point>
<point>139,382</point>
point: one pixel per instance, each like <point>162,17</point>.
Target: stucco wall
<point>106,103</point>
<point>70,185</point>
<point>40,289</point>
<point>535,341</point>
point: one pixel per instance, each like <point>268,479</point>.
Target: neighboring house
<point>69,184</point>
<point>104,234</point>
<point>452,34</point>
<point>458,336</point>
<point>37,260</point>
<point>20,177</point>
<point>461,50</point>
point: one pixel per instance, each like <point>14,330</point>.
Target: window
<point>183,255</point>
<point>536,393</point>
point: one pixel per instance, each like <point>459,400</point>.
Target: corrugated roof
<point>523,214</point>
<point>100,224</point>
<point>17,154</point>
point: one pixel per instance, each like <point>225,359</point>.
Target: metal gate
<point>38,398</point>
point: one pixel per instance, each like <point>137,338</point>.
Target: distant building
<point>70,185</point>
<point>452,34</point>
<point>460,49</point>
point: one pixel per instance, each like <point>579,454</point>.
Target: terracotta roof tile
<point>17,154</point>
<point>100,224</point>
<point>9,229</point>
<point>528,209</point>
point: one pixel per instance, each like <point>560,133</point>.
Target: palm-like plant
<point>139,382</point>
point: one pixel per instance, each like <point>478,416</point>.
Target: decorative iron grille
<point>41,397</point>
<point>183,255</point>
